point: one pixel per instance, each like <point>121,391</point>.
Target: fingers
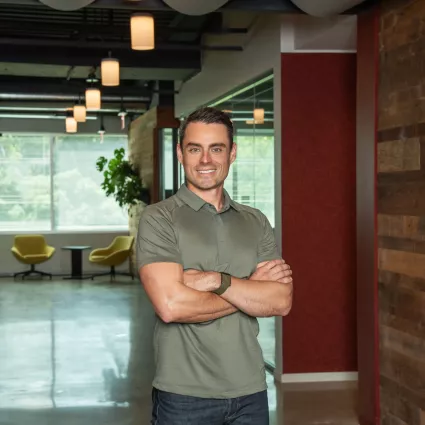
<point>283,270</point>
<point>287,280</point>
<point>281,274</point>
<point>268,265</point>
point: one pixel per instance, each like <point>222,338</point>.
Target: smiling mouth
<point>205,171</point>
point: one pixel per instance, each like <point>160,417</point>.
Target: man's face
<point>206,155</point>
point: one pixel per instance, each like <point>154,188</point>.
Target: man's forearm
<point>260,298</point>
<point>190,306</point>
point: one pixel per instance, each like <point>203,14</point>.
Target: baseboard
<point>319,377</point>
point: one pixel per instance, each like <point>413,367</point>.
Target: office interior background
<point>326,101</point>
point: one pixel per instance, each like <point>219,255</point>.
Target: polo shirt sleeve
<point>267,248</point>
<point>156,239</point>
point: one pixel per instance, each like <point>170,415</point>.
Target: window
<point>51,183</point>
<point>80,203</point>
<point>251,177</point>
<point>24,183</point>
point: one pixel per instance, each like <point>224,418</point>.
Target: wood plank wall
<point>401,212</point>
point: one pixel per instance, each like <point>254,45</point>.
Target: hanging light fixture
<point>93,95</point>
<point>93,100</point>
<point>80,114</point>
<point>110,71</point>
<point>70,122</point>
<point>142,31</point>
<point>259,115</point>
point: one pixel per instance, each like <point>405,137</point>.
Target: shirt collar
<point>196,203</point>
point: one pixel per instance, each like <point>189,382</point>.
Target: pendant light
<point>142,30</point>
<point>93,100</point>
<point>93,96</point>
<point>110,71</point>
<point>80,113</point>
<point>70,122</point>
<point>259,115</point>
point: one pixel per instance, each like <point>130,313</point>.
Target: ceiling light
<point>259,115</point>
<point>110,72</point>
<point>142,31</point>
<point>93,100</point>
<point>80,114</point>
<point>70,123</point>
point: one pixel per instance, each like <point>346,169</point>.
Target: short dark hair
<point>207,115</point>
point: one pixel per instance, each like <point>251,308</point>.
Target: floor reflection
<point>68,344</point>
<point>80,353</point>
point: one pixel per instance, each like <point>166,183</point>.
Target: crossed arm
<point>186,297</point>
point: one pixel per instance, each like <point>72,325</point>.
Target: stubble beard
<point>204,187</point>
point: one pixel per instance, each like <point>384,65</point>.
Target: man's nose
<point>205,158</point>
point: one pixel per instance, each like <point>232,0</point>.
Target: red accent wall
<point>319,210</point>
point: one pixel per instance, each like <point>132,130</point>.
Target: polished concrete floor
<point>79,353</point>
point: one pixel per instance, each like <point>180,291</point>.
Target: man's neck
<point>214,196</point>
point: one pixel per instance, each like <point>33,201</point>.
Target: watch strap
<point>226,281</point>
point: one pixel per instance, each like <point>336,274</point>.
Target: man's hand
<point>275,270</point>
<point>202,281</point>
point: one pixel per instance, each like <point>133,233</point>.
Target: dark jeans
<point>174,409</point>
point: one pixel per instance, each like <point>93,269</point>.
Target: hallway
<point>79,353</point>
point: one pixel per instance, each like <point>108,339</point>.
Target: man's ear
<point>179,153</point>
<point>233,152</point>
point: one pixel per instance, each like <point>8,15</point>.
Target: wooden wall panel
<point>401,212</point>
<point>399,155</point>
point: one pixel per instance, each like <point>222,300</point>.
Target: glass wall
<point>251,177</point>
<point>50,183</point>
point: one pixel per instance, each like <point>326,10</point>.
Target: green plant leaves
<point>120,179</point>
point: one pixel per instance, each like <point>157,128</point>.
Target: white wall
<point>61,260</point>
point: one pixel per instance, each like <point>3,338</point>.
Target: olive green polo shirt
<point>220,358</point>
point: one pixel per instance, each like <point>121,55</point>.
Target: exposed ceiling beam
<point>276,6</point>
<point>74,56</point>
<point>102,30</point>
<point>28,70</point>
<point>49,89</point>
<point>107,45</point>
<point>41,96</point>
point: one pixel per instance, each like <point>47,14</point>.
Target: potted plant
<point>122,181</point>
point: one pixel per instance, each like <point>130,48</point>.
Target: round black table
<point>76,261</point>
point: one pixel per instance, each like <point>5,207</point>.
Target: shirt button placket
<point>221,238</point>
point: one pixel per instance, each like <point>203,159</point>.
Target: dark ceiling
<point>46,54</point>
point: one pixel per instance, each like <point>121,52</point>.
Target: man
<point>210,266</point>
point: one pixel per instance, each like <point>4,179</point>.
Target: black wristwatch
<point>226,281</point>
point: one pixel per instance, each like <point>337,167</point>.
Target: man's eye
<point>193,150</point>
<point>217,149</point>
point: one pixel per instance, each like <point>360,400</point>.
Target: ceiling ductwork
<point>64,97</point>
<point>195,7</point>
<point>324,8</point>
<point>66,5</point>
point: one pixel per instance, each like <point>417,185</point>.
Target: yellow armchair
<point>32,250</point>
<point>113,255</point>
